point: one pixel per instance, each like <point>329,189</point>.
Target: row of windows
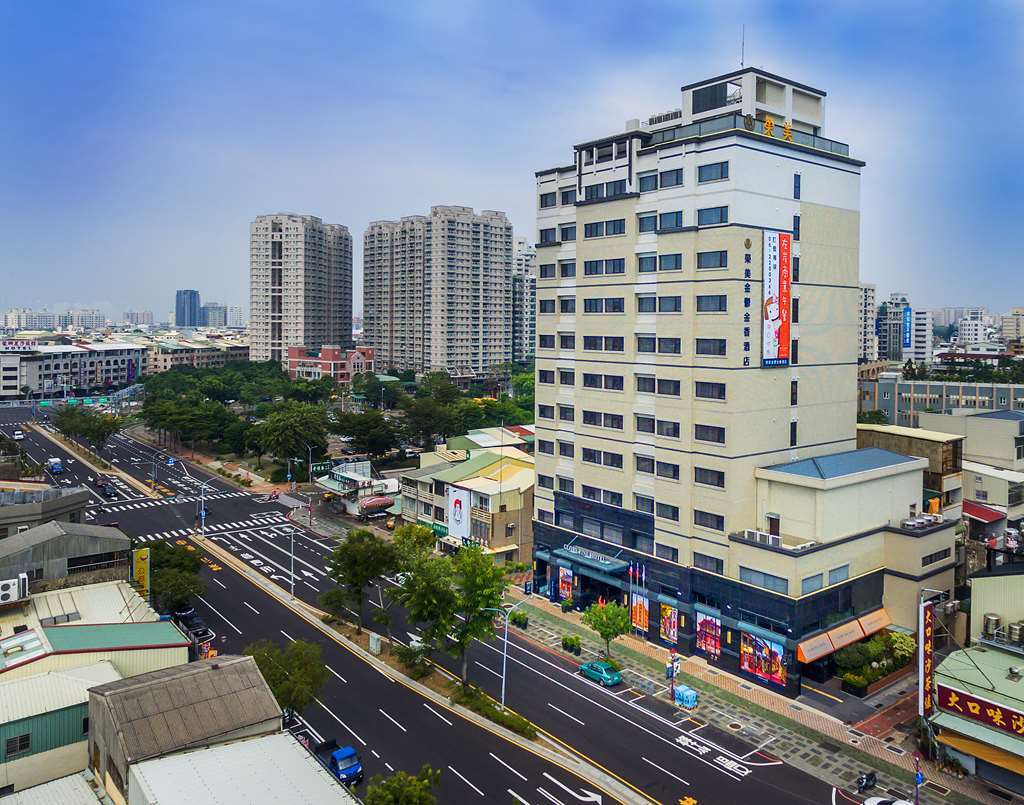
<point>649,182</point>
<point>567,413</point>
<point>662,427</point>
<point>673,346</point>
<point>600,229</point>
<point>650,344</point>
<point>646,263</point>
<point>648,505</point>
<point>645,384</point>
<point>646,222</point>
<point>593,192</point>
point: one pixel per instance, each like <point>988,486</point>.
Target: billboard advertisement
<point>669,623</point>
<point>458,512</point>
<point>639,613</point>
<point>564,583</point>
<point>908,327</point>
<point>763,658</point>
<point>776,297</point>
<point>925,658</point>
<point>709,635</point>
<point>140,571</point>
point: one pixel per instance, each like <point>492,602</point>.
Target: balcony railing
<point>763,539</point>
<point>734,121</point>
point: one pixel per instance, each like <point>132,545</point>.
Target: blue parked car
<point>603,673</point>
<point>343,762</point>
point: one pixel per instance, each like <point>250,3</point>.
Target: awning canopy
<point>874,621</point>
<point>814,648</point>
<point>846,634</point>
<point>992,754</point>
<point>606,564</point>
<point>983,514</point>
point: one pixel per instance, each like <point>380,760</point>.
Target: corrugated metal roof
<point>23,698</point>
<point>273,768</point>
<point>186,705</point>
<point>1014,416</point>
<point>70,790</point>
<point>468,468</point>
<point>913,433</point>
<point>99,636</point>
<point>58,530</point>
<point>847,463</point>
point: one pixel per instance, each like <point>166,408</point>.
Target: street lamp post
<point>506,613</point>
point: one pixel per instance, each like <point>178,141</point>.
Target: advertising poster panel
<point>564,583</point>
<point>709,635</point>
<point>669,623</point>
<point>458,512</point>
<point>140,571</point>
<point>908,327</point>
<point>776,298</point>
<point>640,615</point>
<point>763,658</point>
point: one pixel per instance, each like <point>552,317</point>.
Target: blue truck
<point>55,466</point>
<point>341,761</point>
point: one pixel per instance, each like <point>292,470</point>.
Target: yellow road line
<point>822,693</point>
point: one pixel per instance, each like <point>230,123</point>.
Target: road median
<point>611,785</point>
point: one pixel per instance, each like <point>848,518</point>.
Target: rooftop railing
<point>778,131</point>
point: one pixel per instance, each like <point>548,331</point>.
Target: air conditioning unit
<point>950,607</point>
<point>13,590</point>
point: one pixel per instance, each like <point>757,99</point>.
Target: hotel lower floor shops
<point>770,639</point>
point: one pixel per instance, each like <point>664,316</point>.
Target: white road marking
<point>590,795</point>
<point>503,763</point>
<point>517,797</point>
<point>557,709</point>
<point>224,586</point>
<point>374,753</point>
<point>335,717</point>
<point>445,720</point>
<point>211,606</point>
<point>390,768</point>
<point>467,782</point>
<point>389,718</point>
<point>251,607</point>
<point>282,631</point>
<point>550,797</point>
<point>659,768</point>
<point>336,674</point>
<point>491,670</point>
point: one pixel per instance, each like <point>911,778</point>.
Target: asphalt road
<point>626,731</point>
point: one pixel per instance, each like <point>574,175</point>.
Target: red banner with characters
<point>996,716</point>
<point>926,660</point>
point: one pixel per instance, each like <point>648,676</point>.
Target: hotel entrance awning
<point>821,645</point>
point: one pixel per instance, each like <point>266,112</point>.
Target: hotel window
<point>614,343</point>
<point>671,178</point>
<point>566,341</point>
<point>792,434</point>
<point>665,552</point>
<point>669,221</point>
<point>567,268</point>
<point>592,343</point>
<point>670,388</point>
<point>838,574</point>
<point>668,429</point>
<point>548,199</point>
<point>709,477</point>
<point>670,304</point>
<point>646,343</point>
<point>796,269</point>
<point>591,381</point>
<point>545,482</point>
<point>604,152</point>
<point>568,232</point>
<point>616,265</point>
<point>545,342</point>
<point>764,580</point>
<point>647,303</point>
<point>644,464</point>
<point>810,584</point>
<point>794,351</point>
<point>545,305</point>
<point>622,149</point>
<point>548,236</point>
<point>711,563</point>
<point>613,304</point>
<point>617,188</point>
<point>547,271</point>
<point>644,504</point>
<point>646,263</point>
<point>645,384</point>
<point>566,413</point>
<point>648,182</point>
<point>594,230</point>
<point>613,421</point>
<point>668,470</point>
<point>796,228</point>
<point>545,412</point>
<point>796,185</point>
<point>546,376</point>
<point>794,307</point>
<point>613,382</point>
<point>591,456</point>
<point>667,511</point>
<point>592,418</point>
<point>644,424</point>
<point>712,259</point>
<point>709,391</point>
<point>567,377</point>
<point>718,303</point>
<point>592,268</point>
<point>612,498</point>
<point>670,346</point>
<point>647,222</point>
<point>713,172</point>
<point>566,449</point>
<point>711,346</point>
<point>545,446</point>
<point>569,196</point>
<point>794,392</point>
<point>545,516</point>
<point>613,460</point>
<point>567,304</point>
<point>566,485</point>
<point>716,522</point>
<point>709,433</point>
<point>710,216</point>
<point>670,262</point>
<point>615,227</point>
<point>593,192</point>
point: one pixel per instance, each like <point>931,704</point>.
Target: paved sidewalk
<point>808,739</point>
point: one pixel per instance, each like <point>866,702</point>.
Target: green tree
<point>523,389</point>
<point>426,418</point>
<point>876,417</point>
<point>610,620</point>
<point>369,432</point>
<point>291,426</point>
<point>352,565</point>
<point>295,674</point>
<point>402,788</point>
<point>429,594</point>
<point>439,387</point>
<point>174,576</point>
<point>479,587</point>
<point>413,543</point>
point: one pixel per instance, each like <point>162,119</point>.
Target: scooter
<point>866,782</point>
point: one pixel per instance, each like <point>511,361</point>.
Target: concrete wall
<point>1002,595</point>
<point>44,766</point>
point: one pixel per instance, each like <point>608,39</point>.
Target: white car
<point>18,435</point>
<point>885,801</point>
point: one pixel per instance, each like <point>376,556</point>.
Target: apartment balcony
<point>779,542</point>
<point>918,526</point>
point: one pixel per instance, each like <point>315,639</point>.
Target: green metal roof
<point>468,468</point>
<point>114,636</point>
<point>979,732</point>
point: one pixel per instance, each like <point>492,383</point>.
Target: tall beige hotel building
<point>697,342</point>
<point>300,285</point>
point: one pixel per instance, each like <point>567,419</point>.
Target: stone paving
<point>814,742</point>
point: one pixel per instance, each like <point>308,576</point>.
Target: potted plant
<point>567,643</point>
<point>566,604</point>
<point>575,645</point>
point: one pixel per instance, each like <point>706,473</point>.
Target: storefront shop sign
<point>593,556</point>
<point>968,705</point>
<point>669,623</point>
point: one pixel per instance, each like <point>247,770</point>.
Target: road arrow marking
<point>589,796</point>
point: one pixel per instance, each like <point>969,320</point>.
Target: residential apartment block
<point>903,401</point>
<point>138,317</point>
<point>866,335</point>
<point>437,291</point>
<point>524,300</point>
<point>329,361</point>
<point>698,310</point>
<point>300,285</point>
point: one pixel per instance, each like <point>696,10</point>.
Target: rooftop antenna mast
<point>743,47</point>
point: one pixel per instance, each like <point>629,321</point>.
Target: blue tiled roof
<point>839,464</point>
<point>1015,416</point>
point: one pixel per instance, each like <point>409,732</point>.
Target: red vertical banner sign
<point>925,659</point>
